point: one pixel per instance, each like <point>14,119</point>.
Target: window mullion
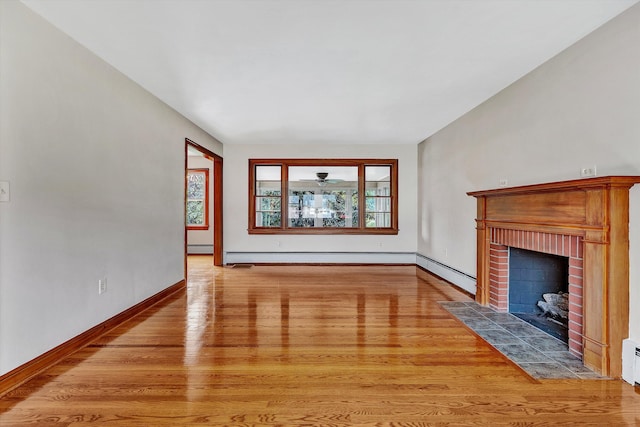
<point>284,195</point>
<point>361,197</point>
<point>254,195</point>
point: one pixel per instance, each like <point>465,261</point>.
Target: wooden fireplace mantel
<point>597,210</point>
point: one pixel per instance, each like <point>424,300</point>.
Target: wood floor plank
<point>306,346</point>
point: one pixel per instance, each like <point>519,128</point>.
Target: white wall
<point>201,241</point>
<point>83,206</point>
<point>238,241</point>
<point>581,108</point>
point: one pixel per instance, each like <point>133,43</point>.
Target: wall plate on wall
<point>588,171</point>
<point>4,191</point>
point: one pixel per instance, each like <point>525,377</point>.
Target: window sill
<point>304,230</point>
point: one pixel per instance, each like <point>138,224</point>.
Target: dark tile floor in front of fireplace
<point>539,354</point>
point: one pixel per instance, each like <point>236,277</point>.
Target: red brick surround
<point>556,244</point>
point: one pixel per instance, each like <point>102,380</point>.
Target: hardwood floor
<point>306,346</point>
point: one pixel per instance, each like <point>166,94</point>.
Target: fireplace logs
<point>555,306</point>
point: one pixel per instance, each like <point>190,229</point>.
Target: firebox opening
<point>538,290</point>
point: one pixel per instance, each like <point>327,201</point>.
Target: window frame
<point>204,226</point>
<point>284,227</point>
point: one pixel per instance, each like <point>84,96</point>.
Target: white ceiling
<point>326,71</point>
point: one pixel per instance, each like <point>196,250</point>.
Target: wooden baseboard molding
<point>27,371</point>
<point>325,264</point>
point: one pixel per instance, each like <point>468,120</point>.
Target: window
<point>197,199</point>
<point>311,196</point>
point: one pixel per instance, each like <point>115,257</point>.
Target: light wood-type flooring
<point>306,346</point>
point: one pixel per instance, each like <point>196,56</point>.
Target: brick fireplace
<point>586,220</point>
<point>555,244</point>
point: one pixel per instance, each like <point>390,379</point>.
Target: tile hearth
<point>539,354</point>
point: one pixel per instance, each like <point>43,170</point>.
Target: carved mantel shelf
<point>597,210</point>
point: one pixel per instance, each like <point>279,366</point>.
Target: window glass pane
<point>268,210</point>
<point>195,212</point>
<point>196,207</point>
<point>196,185</point>
<point>377,196</point>
<point>268,201</point>
<point>323,196</point>
<point>378,204</point>
<point>378,188</point>
<point>378,219</point>
<point>268,219</point>
<point>270,204</point>
<point>268,173</point>
<point>268,180</point>
<point>377,173</point>
<point>378,180</point>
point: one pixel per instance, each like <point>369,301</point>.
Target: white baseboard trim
<point>320,257</point>
<point>200,249</point>
<point>629,361</point>
<point>458,278</point>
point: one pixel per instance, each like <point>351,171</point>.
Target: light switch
<point>4,191</point>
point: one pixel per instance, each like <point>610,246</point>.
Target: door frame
<point>217,200</point>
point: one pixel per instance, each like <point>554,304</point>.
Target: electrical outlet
<point>503,182</point>
<point>588,171</point>
<point>102,286</point>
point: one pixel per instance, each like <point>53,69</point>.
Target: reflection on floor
<point>539,354</point>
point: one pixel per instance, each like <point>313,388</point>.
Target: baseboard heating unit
<point>636,368</point>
